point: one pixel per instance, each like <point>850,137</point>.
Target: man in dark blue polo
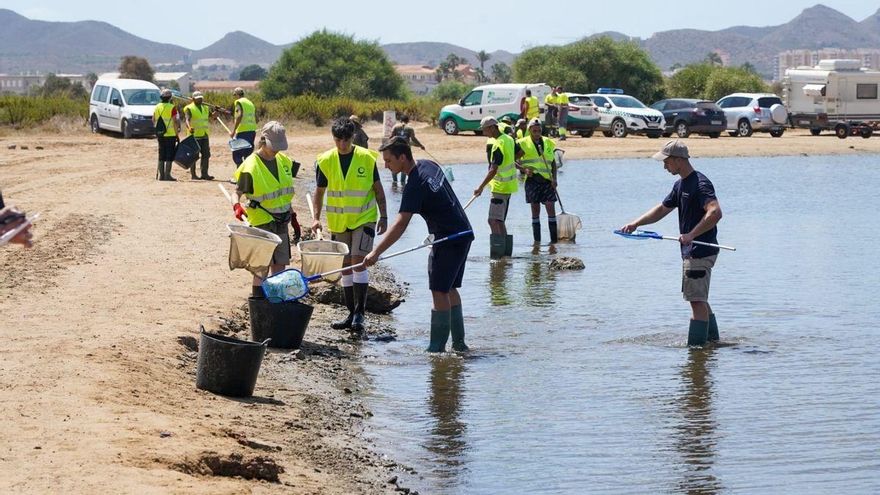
<point>428,193</point>
<point>698,214</point>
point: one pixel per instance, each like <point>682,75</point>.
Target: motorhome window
<point>866,91</point>
<point>100,93</point>
<point>626,102</point>
<point>474,98</point>
<point>141,96</point>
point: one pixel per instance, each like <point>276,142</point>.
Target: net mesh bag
<point>322,256</point>
<point>251,248</point>
<point>567,225</point>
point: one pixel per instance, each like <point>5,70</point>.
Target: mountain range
<point>94,46</point>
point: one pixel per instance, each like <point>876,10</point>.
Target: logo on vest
<point>362,172</point>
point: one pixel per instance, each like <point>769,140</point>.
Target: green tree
<point>133,67</point>
<point>61,86</point>
<point>483,57</point>
<point>714,59</point>
<point>748,67</point>
<point>450,91</point>
<point>331,64</point>
<point>690,81</point>
<point>252,73</point>
<point>92,78</point>
<point>588,64</point>
<point>726,80</point>
<point>501,73</point>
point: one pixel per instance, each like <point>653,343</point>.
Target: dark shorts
<point>167,148</point>
<point>281,256</point>
<point>204,147</point>
<point>539,190</point>
<point>446,265</point>
<point>238,156</point>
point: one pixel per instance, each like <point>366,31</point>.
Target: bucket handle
<point>266,342</point>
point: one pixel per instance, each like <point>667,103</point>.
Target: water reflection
<point>540,281</point>
<point>499,292</point>
<point>696,435</point>
<point>446,440</point>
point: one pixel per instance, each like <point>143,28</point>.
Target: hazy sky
<point>502,24</point>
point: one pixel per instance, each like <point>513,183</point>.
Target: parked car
<point>754,112</point>
<point>620,114</point>
<point>496,100</point>
<point>685,116</point>
<point>583,116</point>
<point>124,106</point>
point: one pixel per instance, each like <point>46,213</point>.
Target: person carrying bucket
<point>198,119</point>
<point>539,164</point>
<point>245,124</point>
<point>266,179</point>
<point>429,194</point>
<point>698,215</point>
<point>501,152</point>
<point>356,212</point>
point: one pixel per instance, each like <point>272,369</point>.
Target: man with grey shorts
<point>698,215</point>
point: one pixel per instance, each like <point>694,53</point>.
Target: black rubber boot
<point>698,332</point>
<point>440,321</point>
<point>257,291</point>
<point>456,327</point>
<point>192,172</point>
<point>360,304</point>
<point>348,296</point>
<point>508,246</point>
<point>168,172</point>
<point>496,246</point>
<point>160,172</point>
<point>554,231</point>
<point>713,329</point>
<point>536,230</point>
<point>204,167</point>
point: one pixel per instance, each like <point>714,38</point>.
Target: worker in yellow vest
<point>356,212</point>
<point>539,165</point>
<point>502,151</point>
<point>265,178</point>
<point>562,104</point>
<point>532,108</point>
<point>552,110</point>
<point>167,124</point>
<point>198,122</point>
<point>522,128</point>
<point>245,124</point>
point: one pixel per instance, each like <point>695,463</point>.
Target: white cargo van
<point>836,94</point>
<point>124,106</point>
<point>496,100</point>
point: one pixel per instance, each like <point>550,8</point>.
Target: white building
<point>162,79</point>
<point>22,83</point>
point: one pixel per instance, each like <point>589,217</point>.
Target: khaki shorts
<point>498,206</point>
<point>359,240</point>
<point>695,276</point>
<point>281,256</point>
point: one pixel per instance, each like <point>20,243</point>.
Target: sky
<point>511,25</point>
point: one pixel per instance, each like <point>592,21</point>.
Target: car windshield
<point>626,102</point>
<point>141,96</point>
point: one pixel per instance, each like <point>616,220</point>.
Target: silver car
<point>754,112</point>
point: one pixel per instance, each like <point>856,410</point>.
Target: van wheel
<point>450,126</point>
<point>93,124</point>
<point>777,132</point>
<point>841,131</point>
<point>126,131</point>
<point>682,130</point>
<point>815,131</point>
<point>618,128</point>
<point>607,134</point>
<point>744,129</point>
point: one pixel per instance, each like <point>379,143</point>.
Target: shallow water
<point>580,382</point>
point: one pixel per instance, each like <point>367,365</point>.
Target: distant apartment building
<point>215,62</point>
<point>870,58</point>
<point>22,83</point>
<point>421,79</point>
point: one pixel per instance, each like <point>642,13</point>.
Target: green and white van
<point>496,100</point>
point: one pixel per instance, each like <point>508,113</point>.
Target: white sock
<point>347,280</point>
<point>362,277</point>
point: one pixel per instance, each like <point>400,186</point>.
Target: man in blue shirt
<point>428,193</point>
<point>698,214</point>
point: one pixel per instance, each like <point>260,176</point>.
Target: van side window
<point>474,98</point>
<point>100,94</point>
<point>866,91</point>
<point>115,97</point>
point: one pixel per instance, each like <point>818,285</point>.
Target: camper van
<point>496,100</point>
<point>836,95</point>
<point>124,106</point>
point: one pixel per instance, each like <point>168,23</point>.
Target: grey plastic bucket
<point>285,323</point>
<point>228,366</point>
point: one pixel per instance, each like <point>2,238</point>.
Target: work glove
<point>294,224</point>
<point>239,211</point>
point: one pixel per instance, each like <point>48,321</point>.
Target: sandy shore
<point>97,376</point>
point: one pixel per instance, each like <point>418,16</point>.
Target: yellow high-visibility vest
<point>531,159</point>
<point>199,119</point>
<point>533,110</point>
<point>163,111</point>
<point>504,181</point>
<point>273,194</point>
<point>351,200</point>
<point>248,115</point>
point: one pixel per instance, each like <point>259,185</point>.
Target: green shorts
<point>695,276</point>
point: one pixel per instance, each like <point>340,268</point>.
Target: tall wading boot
<point>497,245</point>
<point>698,332</point>
<point>536,229</point>
<point>348,297</point>
<point>168,171</point>
<point>713,329</point>
<point>508,245</point>
<point>456,327</point>
<point>160,172</point>
<point>204,167</point>
<point>440,322</point>
<point>360,305</point>
<point>554,231</point>
<point>192,172</point>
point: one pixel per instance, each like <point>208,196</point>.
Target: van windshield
<point>626,102</point>
<point>141,96</point>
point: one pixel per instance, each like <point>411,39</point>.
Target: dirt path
<point>96,383</point>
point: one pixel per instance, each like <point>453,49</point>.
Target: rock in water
<point>566,263</point>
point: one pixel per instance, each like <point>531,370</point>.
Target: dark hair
<point>342,128</point>
<point>528,92</point>
<point>398,146</point>
<point>165,99</point>
<point>404,118</point>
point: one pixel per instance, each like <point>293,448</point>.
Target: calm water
<point>580,382</point>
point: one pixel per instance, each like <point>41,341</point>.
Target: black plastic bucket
<point>228,366</point>
<point>285,323</point>
<point>187,152</point>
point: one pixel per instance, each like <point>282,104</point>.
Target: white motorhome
<point>124,106</point>
<point>836,94</point>
<point>496,100</point>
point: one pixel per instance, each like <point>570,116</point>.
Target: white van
<point>496,100</point>
<point>124,106</point>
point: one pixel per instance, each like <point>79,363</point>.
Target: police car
<point>620,114</point>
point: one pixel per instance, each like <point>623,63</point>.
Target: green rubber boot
<point>439,331</point>
<point>698,332</point>
<point>497,245</point>
<point>713,329</point>
<point>456,328</point>
<point>508,245</point>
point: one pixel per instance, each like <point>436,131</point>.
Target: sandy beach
<point>99,318</point>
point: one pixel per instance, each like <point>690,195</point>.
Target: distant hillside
<point>432,53</point>
<point>241,46</point>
